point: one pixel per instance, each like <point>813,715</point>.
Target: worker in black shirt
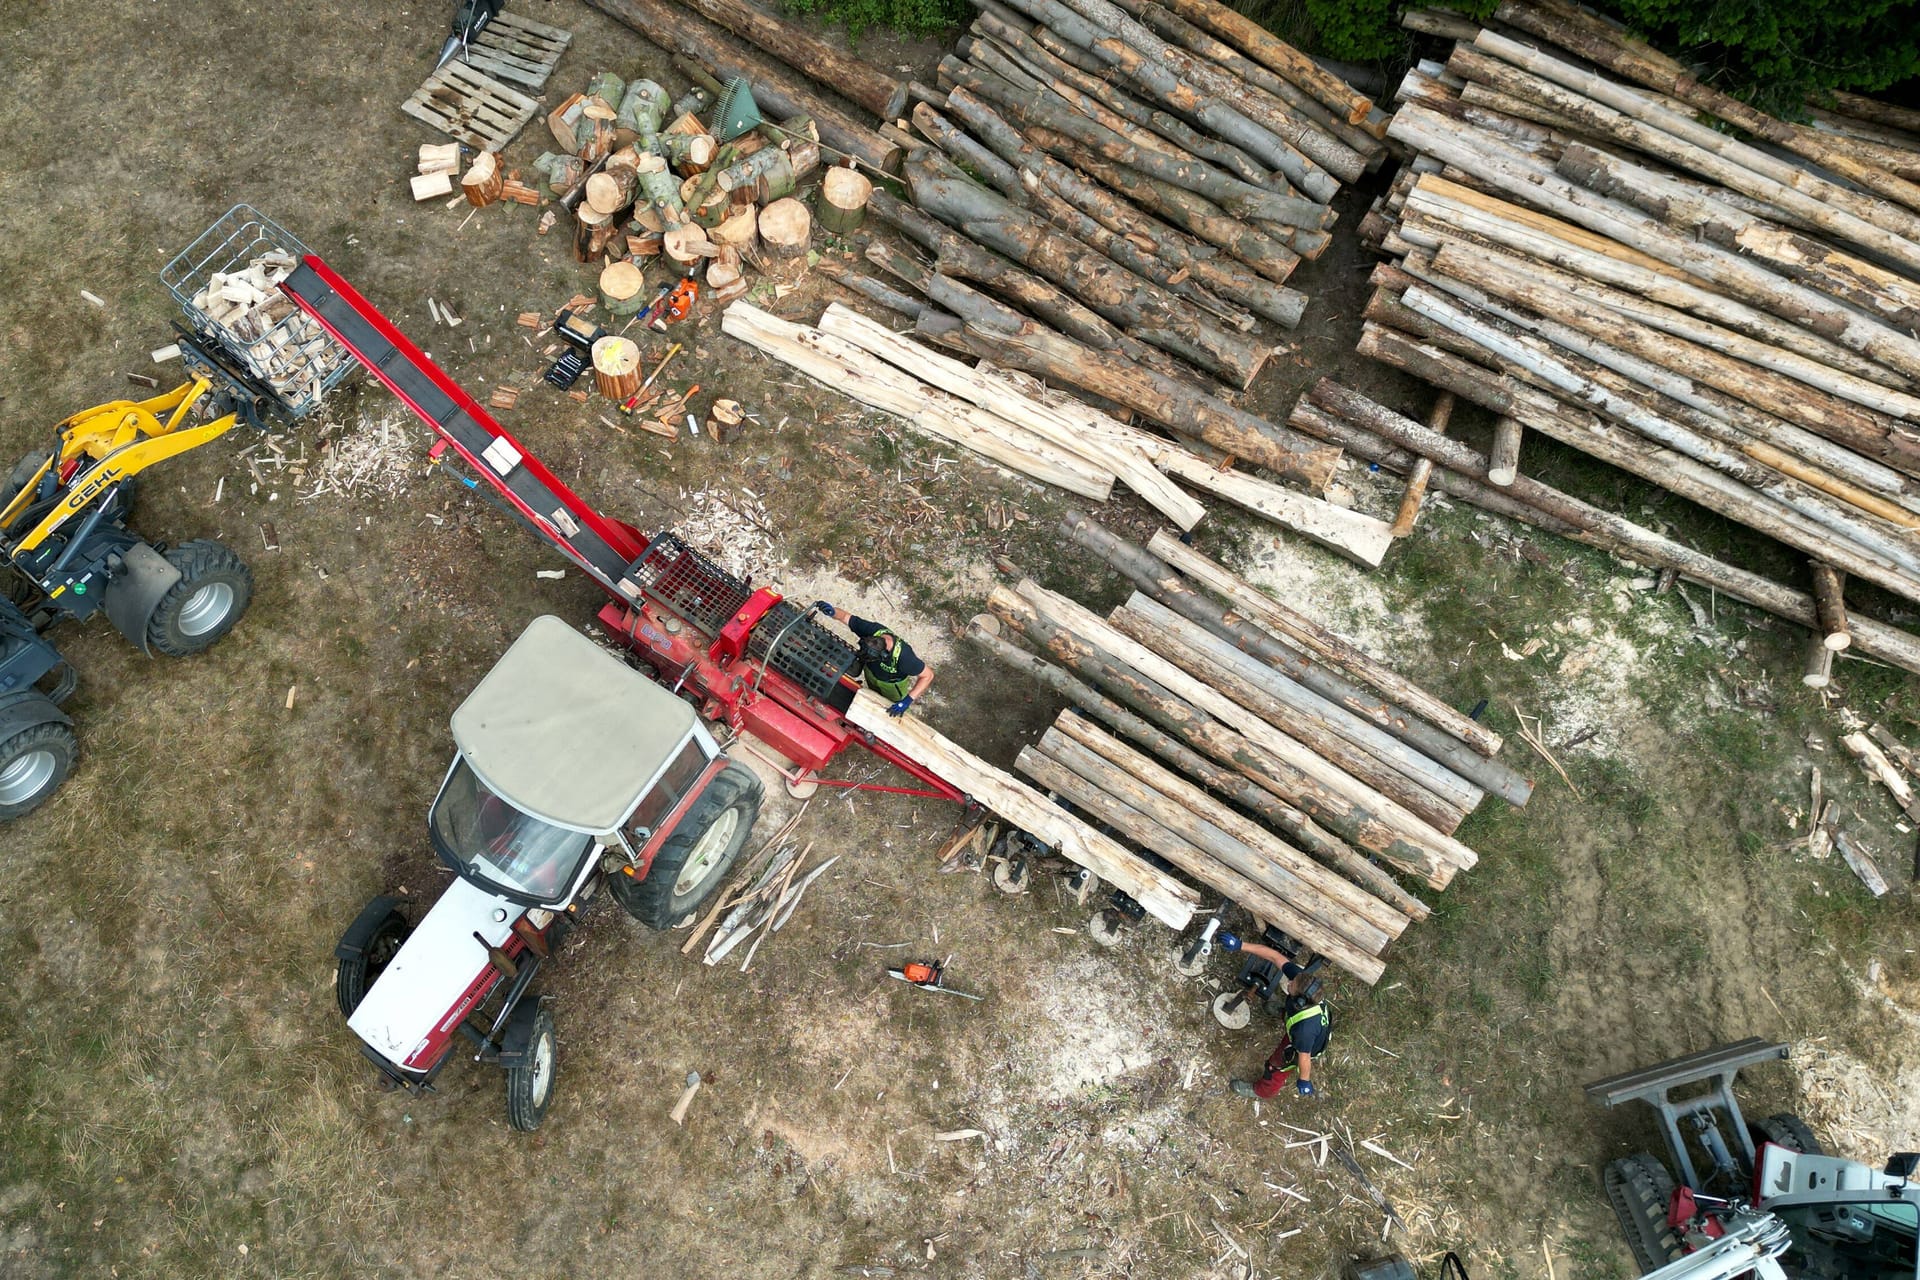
<point>892,669</point>
<point>1307,1032</point>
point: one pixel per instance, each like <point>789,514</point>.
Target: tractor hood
<point>567,732</point>
<point>417,1003</point>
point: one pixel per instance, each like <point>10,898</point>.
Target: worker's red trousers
<point>1280,1067</point>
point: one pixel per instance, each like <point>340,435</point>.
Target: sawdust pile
<point>1855,1111</point>
<point>730,529</point>
<point>375,457</point>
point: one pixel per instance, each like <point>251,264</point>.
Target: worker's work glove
<point>1305,1087</point>
<point>899,708</point>
<point>1229,942</point>
<point>825,608</point>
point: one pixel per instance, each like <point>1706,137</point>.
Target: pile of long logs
<point>1257,753</point>
<point>1164,168</point>
<point>1018,423</point>
<point>1578,252</point>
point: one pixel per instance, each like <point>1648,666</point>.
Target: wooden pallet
<point>472,106</point>
<point>518,49</point>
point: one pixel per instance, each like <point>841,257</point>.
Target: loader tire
<point>1641,1190</point>
<point>23,471</point>
<point>215,588</point>
<point>695,859</point>
<point>358,973</point>
<point>33,763</point>
<point>1789,1131</point>
<point>530,1085</point>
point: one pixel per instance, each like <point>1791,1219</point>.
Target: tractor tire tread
<point>199,562</point>
<point>651,900</point>
<point>1784,1129</point>
<point>527,1099</point>
<point>53,736</point>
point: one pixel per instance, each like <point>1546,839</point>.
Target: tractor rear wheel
<point>358,973</point>
<point>23,471</point>
<point>1642,1190</point>
<point>33,763</point>
<point>1789,1131</point>
<point>214,589</point>
<point>698,854</point>
<point>530,1085</point>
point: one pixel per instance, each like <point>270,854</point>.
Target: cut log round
<point>644,244</point>
<point>674,27</point>
<point>622,289</point>
<point>843,200</point>
<point>739,229</point>
<point>1819,669</point>
<point>611,189</point>
<point>616,367</point>
<point>689,152</point>
<point>609,89</point>
<point>643,110</point>
<point>686,244</point>
<point>786,229</point>
<point>483,180</point>
<point>769,174</point>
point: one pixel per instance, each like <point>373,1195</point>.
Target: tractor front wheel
<point>215,588</point>
<point>358,973</point>
<point>530,1085</point>
<point>697,856</point>
<point>33,763</point>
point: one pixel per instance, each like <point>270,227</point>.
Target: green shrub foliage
<point>908,17</point>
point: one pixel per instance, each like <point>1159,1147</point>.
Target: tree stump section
<point>616,367</point>
<point>843,200</point>
<point>786,230</point>
<point>622,290</point>
<point>484,180</point>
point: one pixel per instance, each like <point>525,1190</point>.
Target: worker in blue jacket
<point>891,667</point>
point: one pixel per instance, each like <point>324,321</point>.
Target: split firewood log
<point>483,180</point>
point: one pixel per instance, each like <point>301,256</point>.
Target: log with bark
<point>1180,253</point>
<point>1025,345</point>
<point>1325,847</point>
<point>853,78</point>
<point>785,229</point>
<point>1143,309</point>
<point>1199,729</point>
<point>676,29</point>
<point>1830,607</point>
<point>1415,493</point>
<point>1325,665</point>
<point>1332,412</point>
<point>843,200</point>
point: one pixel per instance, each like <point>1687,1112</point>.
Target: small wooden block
<point>528,320</point>
<point>503,398</point>
<point>431,185</point>
<point>579,395</point>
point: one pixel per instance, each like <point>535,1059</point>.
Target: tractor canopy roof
<point>566,731</point>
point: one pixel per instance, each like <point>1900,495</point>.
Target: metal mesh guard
<point>677,576</point>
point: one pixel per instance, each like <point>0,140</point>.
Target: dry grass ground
<point>179,1098</point>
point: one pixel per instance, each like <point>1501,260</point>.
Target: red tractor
<point>573,772</point>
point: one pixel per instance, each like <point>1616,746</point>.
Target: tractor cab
<point>563,750</point>
<point>574,772</point>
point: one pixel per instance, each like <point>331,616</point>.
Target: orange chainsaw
<point>926,976</point>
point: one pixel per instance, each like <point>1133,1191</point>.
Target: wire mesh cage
<point>228,284</point>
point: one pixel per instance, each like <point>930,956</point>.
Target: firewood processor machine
<point>745,656</point>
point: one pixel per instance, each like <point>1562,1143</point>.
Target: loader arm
<point>121,438</point>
